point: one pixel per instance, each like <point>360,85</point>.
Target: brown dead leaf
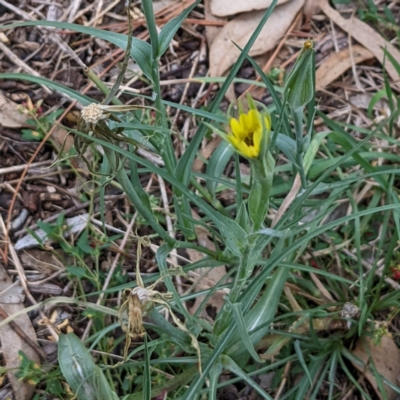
<point>311,8</point>
<point>224,8</point>
<point>10,117</point>
<point>366,36</point>
<point>12,300</point>
<point>205,278</point>
<point>62,138</point>
<point>386,358</point>
<point>224,53</point>
<point>338,63</point>
<point>211,31</point>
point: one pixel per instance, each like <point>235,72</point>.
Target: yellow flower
<point>247,132</point>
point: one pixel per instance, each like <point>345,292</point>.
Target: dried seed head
<point>92,113</point>
<point>350,311</point>
<point>135,317</point>
<point>142,294</point>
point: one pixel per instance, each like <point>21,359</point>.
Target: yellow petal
<point>267,122</point>
<point>243,120</point>
<point>254,120</point>
<point>236,128</point>
<point>257,137</point>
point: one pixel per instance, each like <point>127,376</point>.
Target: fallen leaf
<point>366,36</point>
<point>211,31</point>
<point>10,117</point>
<point>205,278</point>
<point>311,8</point>
<point>386,358</point>
<point>12,300</point>
<point>224,53</point>
<point>224,8</point>
<point>338,63</point>
<point>62,138</point>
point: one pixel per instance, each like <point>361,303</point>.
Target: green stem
<point>101,86</point>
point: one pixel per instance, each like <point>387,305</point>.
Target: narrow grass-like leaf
<point>312,149</point>
<point>234,368</point>
<point>348,143</point>
<point>73,94</point>
<point>300,356</point>
<point>140,50</point>
<point>332,373</point>
<point>243,332</point>
<point>147,373</point>
<point>197,382</point>
<point>217,164</point>
<point>214,377</point>
<point>350,375</point>
<point>288,146</point>
<point>169,29</point>
<point>161,256</point>
<point>176,382</point>
<point>304,385</point>
<point>264,310</point>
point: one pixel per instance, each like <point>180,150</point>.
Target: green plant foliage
<point>293,257</point>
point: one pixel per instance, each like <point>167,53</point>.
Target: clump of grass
<point>282,302</point>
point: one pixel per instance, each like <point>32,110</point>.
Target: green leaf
<point>241,326</point>
<point>85,100</point>
<point>169,29</point>
<point>394,62</point>
<point>312,149</point>
<point>183,170</point>
<point>82,375</point>
<point>140,51</point>
<point>214,377</point>
<point>217,164</point>
<point>288,146</point>
<point>263,311</point>
<point>314,370</point>
<point>79,272</point>
<point>234,368</point>
<point>147,373</point>
<point>300,356</point>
